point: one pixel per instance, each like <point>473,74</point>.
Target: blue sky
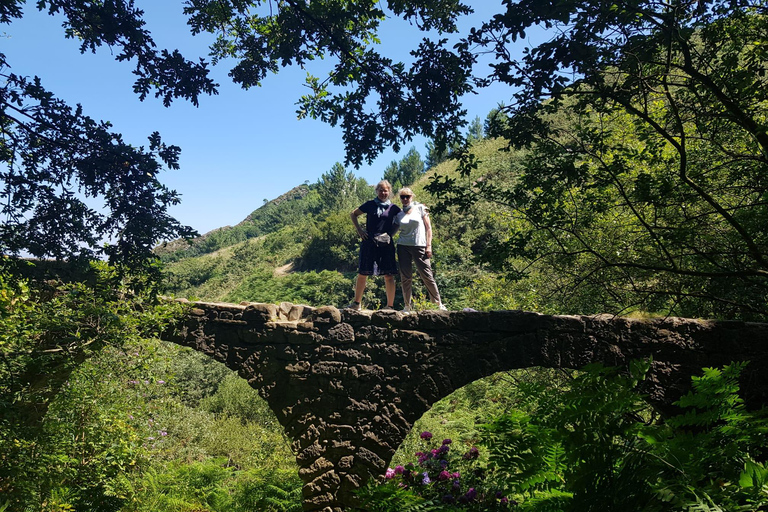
<point>239,147</point>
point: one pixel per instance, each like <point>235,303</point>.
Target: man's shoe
<point>442,308</point>
<point>406,309</point>
<point>353,305</point>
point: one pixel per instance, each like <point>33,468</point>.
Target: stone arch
<point>347,386</point>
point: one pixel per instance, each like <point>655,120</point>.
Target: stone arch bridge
<point>347,385</point>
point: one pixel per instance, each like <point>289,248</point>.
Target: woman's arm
<point>428,233</point>
<point>360,231</point>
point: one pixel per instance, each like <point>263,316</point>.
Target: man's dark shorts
<point>377,260</point>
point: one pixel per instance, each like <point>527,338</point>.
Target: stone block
<point>371,460</point>
<point>408,336</point>
<point>372,333</point>
<point>340,333</point>
<point>326,314</point>
<point>346,462</point>
<point>329,368</point>
<point>356,318</point>
<point>259,314</point>
<point>310,453</point>
<point>317,468</point>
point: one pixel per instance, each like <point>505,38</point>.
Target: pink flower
<point>444,475</point>
<point>399,470</point>
<point>389,474</point>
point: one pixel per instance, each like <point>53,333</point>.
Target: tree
<point>496,122</point>
<point>645,151</point>
<point>435,154</point>
<point>475,131</point>
<point>407,171</point>
<point>689,75</point>
<point>56,159</point>
<point>340,189</point>
<point>378,102</point>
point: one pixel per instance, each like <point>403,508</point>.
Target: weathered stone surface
<point>347,385</point>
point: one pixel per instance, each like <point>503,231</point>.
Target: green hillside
<point>296,249</point>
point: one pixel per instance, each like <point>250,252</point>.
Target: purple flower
<point>504,500</point>
<point>163,433</point>
<point>426,480</point>
<point>471,494</point>
<point>426,435</point>
<point>447,441</point>
<point>443,449</point>
<point>399,470</point>
<point>444,475</point>
<point>389,474</point>
<point>443,463</point>
<point>456,475</point>
<point>161,382</point>
<point>456,485</point>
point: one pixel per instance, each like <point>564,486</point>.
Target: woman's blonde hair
<point>408,191</point>
<point>388,185</point>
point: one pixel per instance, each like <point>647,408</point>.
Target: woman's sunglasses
<point>405,197</point>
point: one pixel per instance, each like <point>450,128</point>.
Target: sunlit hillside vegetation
<point>311,258</point>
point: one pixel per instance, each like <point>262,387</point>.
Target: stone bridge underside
<point>347,386</point>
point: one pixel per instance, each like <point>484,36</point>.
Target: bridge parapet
<point>347,385</point>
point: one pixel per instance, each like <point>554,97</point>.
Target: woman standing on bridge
<point>415,245</point>
<point>377,250</point>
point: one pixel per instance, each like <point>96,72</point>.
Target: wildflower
<point>426,480</point>
<point>426,435</point>
<point>130,416</point>
<point>399,470</point>
<point>161,382</point>
<point>389,474</point>
<point>163,433</point>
